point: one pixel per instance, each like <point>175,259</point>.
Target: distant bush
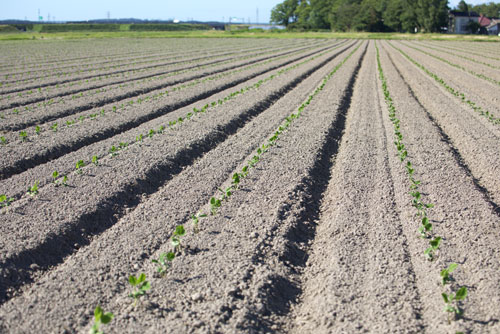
<point>168,27</point>
<point>79,27</point>
<point>4,29</point>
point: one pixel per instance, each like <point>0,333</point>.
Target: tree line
<point>372,15</point>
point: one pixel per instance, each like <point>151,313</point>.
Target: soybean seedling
<point>196,219</point>
<point>225,193</point>
<point>451,300</point>
<point>95,160</point>
<point>164,262</point>
<point>37,129</point>
<point>5,201</point>
<point>23,135</point>
<point>54,127</point>
<point>79,165</point>
<point>177,238</point>
<point>3,140</point>
<point>445,273</point>
<point>100,318</point>
<point>55,175</point>
<point>433,247</point>
<point>33,190</point>
<point>214,205</point>
<point>139,285</point>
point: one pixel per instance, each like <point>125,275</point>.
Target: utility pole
<point>108,15</point>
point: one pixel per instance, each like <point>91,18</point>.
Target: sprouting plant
<point>426,228</point>
<point>5,201</point>
<point>55,175</point>
<point>177,238</point>
<point>79,165</point>
<point>139,285</point>
<point>113,151</point>
<point>151,133</point>
<point>236,180</point>
<point>54,127</point>
<point>445,273</point>
<point>163,262</point>
<point>451,300</point>
<point>196,219</point>
<point>433,247</point>
<point>37,129</point>
<point>33,190</point>
<point>23,135</point>
<point>214,205</point>
<point>3,140</point>
<point>226,193</point>
<point>123,145</point>
<point>139,138</point>
<point>100,318</point>
<point>95,160</point>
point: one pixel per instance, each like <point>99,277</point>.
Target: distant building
<point>494,27</point>
<point>458,22</point>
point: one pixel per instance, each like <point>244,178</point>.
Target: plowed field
<point>281,186</point>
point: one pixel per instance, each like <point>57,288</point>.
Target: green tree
<point>285,12</point>
<point>463,6</point>
<point>432,15</point>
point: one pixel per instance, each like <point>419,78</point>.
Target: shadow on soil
<point>282,292</point>
<point>27,265</point>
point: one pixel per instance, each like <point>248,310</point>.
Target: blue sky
<point>202,10</point>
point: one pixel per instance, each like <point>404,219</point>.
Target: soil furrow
<point>144,90</point>
<point>482,159</point>
<point>42,152</point>
<point>461,216</point>
<point>19,258</point>
<point>359,235</point>
<point>487,97</point>
<point>475,139</point>
<point>163,210</point>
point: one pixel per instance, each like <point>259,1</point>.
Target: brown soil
<point>320,237</point>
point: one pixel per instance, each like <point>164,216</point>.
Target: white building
<point>458,21</point>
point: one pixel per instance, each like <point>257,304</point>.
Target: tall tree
<point>463,6</point>
<point>432,14</point>
<point>285,12</point>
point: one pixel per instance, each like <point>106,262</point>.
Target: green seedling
<point>55,175</point>
<point>37,130</point>
<point>113,151</point>
<point>100,318</point>
<point>214,205</point>
<point>426,228</point>
<point>79,165</point>
<point>226,193</point>
<point>95,160</point>
<point>164,262</point>
<point>139,138</point>
<point>123,145</point>
<point>139,285</point>
<point>244,171</point>
<point>236,180</point>
<point>177,238</point>
<point>3,140</point>
<point>54,127</point>
<point>445,273</point>
<point>33,190</point>
<point>151,133</point>
<point>5,201</point>
<point>434,244</point>
<point>23,135</point>
<point>451,300</point>
<point>196,219</point>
